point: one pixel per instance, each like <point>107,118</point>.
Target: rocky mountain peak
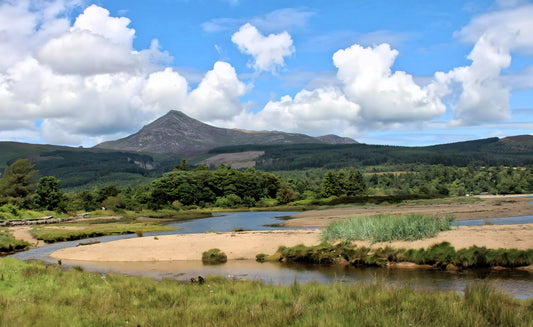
<point>177,133</point>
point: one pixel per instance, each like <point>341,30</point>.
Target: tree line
<point>225,187</point>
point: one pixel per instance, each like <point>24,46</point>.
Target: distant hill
<point>177,133</point>
<point>80,168</point>
<point>510,151</point>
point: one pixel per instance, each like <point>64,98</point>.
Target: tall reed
<point>384,228</point>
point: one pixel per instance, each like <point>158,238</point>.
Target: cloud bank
<point>84,82</point>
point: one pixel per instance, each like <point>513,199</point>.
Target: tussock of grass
<point>52,235</point>
<point>214,256</point>
<point>384,228</point>
<point>32,294</point>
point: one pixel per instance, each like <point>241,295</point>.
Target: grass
<point>240,229</point>
<point>384,228</point>
<point>440,256</point>
<point>32,294</point>
<point>214,256</point>
<point>9,244</point>
<point>11,212</point>
<point>58,234</point>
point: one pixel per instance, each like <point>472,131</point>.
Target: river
<point>516,283</point>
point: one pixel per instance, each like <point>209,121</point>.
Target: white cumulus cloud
<point>318,111</point>
<point>383,95</point>
<point>85,83</point>
<point>268,52</point>
<point>217,95</point>
<point>479,92</point>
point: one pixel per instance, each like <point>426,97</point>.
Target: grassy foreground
<point>32,294</point>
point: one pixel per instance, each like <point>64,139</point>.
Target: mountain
<point>177,133</point>
<point>519,142</point>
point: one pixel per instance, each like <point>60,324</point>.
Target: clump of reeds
<point>440,256</point>
<point>384,228</point>
<point>214,256</point>
<point>240,229</point>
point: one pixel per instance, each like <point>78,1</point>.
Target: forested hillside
<point>79,168</point>
<point>486,152</point>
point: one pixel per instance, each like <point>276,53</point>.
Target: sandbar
<point>246,245</point>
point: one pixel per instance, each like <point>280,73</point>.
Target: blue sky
<point>410,72</point>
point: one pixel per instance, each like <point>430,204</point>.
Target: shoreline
<point>490,206</point>
<point>246,245</point>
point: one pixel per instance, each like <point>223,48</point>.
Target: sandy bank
<point>246,245</point>
<point>489,207</point>
<point>242,245</point>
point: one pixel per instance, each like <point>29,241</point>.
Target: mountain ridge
<point>177,133</point>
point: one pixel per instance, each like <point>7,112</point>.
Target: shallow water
<point>497,221</point>
<point>515,283</point>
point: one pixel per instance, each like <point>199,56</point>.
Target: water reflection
<point>515,283</point>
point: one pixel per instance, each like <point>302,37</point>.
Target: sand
<point>246,245</point>
<point>241,245</point>
<point>489,207</point>
<point>23,233</point>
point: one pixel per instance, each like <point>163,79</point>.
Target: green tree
<point>48,194</point>
<point>106,192</point>
<point>183,166</point>
<point>355,183</point>
<point>285,194</point>
<point>330,185</point>
<point>17,183</point>
<point>84,200</point>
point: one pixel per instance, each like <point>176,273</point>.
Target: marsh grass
<point>12,212</point>
<point>384,228</point>
<point>33,294</point>
<point>9,244</point>
<point>439,256</point>
<point>214,256</point>
<point>54,234</point>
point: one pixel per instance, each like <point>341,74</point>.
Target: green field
<point>34,294</point>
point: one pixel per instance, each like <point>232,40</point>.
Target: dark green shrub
<point>214,256</point>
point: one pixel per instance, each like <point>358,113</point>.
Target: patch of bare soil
<point>237,160</point>
<point>488,207</point>
<point>23,233</point>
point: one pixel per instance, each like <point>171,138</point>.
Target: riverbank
<point>481,207</point>
<point>236,245</point>
<point>246,245</point>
